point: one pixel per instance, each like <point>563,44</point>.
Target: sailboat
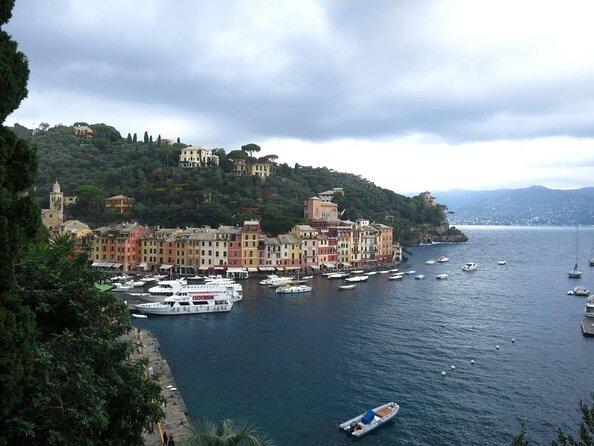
<point>576,272</point>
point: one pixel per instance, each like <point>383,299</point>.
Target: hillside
<point>108,164</point>
<point>535,205</point>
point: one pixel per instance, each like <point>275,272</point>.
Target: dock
<point>588,327</point>
<point>175,421</point>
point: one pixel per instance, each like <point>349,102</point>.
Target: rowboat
<point>369,420</point>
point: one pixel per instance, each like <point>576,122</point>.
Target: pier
<point>175,421</point>
<point>588,327</point>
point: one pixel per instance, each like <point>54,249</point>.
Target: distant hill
<point>534,205</point>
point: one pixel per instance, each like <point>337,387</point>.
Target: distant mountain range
<point>534,205</point>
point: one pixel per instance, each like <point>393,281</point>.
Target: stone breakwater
<point>175,421</point>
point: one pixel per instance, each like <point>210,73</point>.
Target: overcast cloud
<point>412,95</point>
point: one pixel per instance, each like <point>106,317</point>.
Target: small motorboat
<point>579,291</point>
<point>420,276</point>
<point>347,287</point>
<point>397,276</point>
<point>139,316</point>
<point>502,262</point>
<point>357,271</point>
<point>371,273</point>
<point>370,420</point>
<point>430,262</point>
<point>441,276</point>
<point>356,278</point>
<point>443,259</point>
<point>469,266</point>
<point>411,272</point>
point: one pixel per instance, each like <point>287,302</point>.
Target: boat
<point>356,279</point>
<point>293,289</point>
<point>274,281</point>
<point>397,276</point>
<point>357,271</point>
<point>338,275</point>
<point>370,419</point>
<point>441,276</point>
<point>502,262</point>
<point>579,291</point>
<point>411,272</point>
<point>393,270</point>
<point>443,259</point>
<point>576,272</point>
<point>469,266</point>
<point>590,306</point>
<point>307,277</point>
<point>186,303</point>
<point>347,287</point>
<point>139,316</point>
<point>383,271</point>
<point>420,276</point>
<point>371,273</point>
<point>122,287</point>
<point>430,262</point>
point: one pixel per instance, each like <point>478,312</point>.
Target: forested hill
<point>108,164</point>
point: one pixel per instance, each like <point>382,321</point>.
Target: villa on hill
<point>197,156</point>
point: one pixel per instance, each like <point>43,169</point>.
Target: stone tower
<point>53,217</point>
<point>57,201</point>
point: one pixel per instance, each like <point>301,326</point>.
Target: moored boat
<point>293,289</point>
<point>430,262</point>
<point>370,420</point>
<point>579,291</point>
<point>590,306</point>
<point>186,303</point>
<point>575,273</point>
<point>502,262</point>
<point>397,276</point>
<point>441,276</point>
<point>347,287</point>
<point>443,259</point>
<point>356,278</point>
<point>337,275</point>
<point>420,276</point>
<point>469,266</point>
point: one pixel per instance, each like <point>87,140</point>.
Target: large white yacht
<point>184,302</point>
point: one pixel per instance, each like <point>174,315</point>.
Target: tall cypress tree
<point>134,138</point>
<point>146,138</point>
<point>129,139</point>
<point>19,224</point>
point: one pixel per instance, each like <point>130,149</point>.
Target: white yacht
<point>443,259</point>
<point>469,266</point>
<point>356,278</point>
<point>184,302</point>
<point>293,289</point>
<point>590,306</point>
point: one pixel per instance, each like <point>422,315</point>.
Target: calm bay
<point>295,366</point>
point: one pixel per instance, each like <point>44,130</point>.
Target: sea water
<point>296,366</point>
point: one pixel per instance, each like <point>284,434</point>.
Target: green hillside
<point>108,164</point>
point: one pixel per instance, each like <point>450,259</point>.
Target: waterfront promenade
<point>175,421</point>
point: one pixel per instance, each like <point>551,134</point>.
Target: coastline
<point>176,421</point>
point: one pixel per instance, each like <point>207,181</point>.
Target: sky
<point>411,95</point>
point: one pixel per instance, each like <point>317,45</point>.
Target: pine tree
<point>19,224</point>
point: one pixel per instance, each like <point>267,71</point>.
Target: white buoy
<point>513,339</point>
<point>497,347</point>
<point>472,361</point>
<point>443,373</point>
<point>453,367</point>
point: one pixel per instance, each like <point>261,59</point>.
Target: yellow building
<point>242,168</point>
<point>251,235</point>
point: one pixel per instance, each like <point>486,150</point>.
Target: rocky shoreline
<point>176,421</point>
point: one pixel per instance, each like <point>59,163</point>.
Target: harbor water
<point>296,366</point>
